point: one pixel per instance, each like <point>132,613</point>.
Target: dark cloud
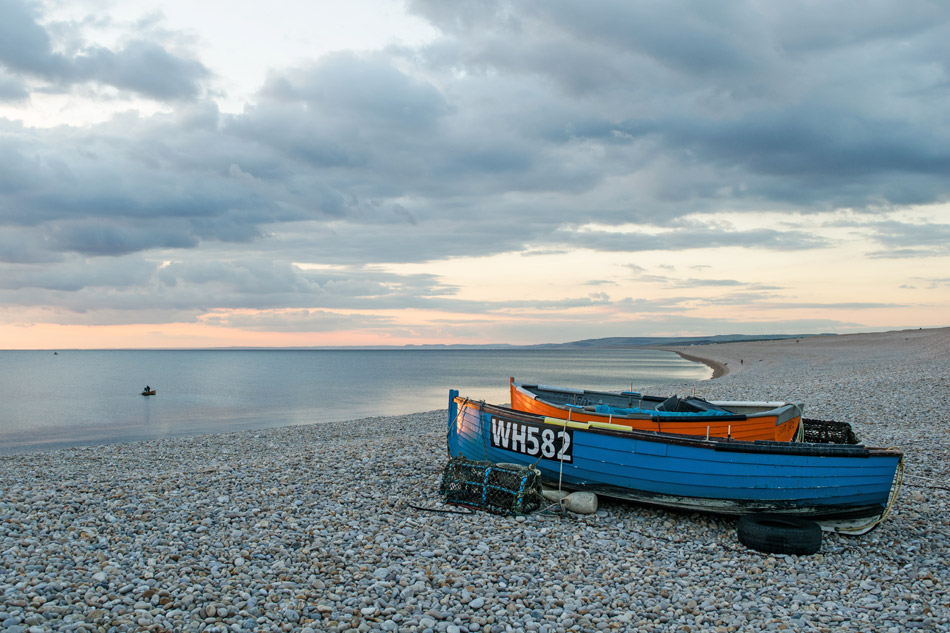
<point>24,44</point>
<point>698,283</point>
<point>936,282</point>
<point>115,239</point>
<point>300,321</point>
<point>349,88</point>
<point>682,239</point>
<point>706,39</point>
<point>194,285</point>
<point>142,67</point>
<point>21,245</point>
<point>799,112</point>
<point>73,275</point>
<point>904,239</point>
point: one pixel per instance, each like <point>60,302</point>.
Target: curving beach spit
<point>328,527</point>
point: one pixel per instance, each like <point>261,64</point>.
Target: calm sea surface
<point>79,398</point>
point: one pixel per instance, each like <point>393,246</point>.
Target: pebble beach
<point>340,527</point>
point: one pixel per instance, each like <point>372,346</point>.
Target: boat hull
<point>777,421</point>
<point>845,487</point>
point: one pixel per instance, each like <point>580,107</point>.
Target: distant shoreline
<point>719,369</point>
<point>740,357</point>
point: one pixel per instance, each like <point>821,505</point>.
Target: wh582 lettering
<point>548,442</point>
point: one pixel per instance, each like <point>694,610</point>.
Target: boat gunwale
<point>774,408</point>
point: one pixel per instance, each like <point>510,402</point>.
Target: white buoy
<point>553,494</point>
<point>580,502</point>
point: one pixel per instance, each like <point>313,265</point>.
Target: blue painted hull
<point>843,486</point>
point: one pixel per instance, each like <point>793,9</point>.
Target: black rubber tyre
<point>779,534</point>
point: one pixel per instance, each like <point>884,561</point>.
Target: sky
<point>378,172</point>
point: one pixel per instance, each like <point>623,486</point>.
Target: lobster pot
<point>506,489</point>
<point>828,432</point>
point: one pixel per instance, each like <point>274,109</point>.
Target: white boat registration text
<point>532,440</point>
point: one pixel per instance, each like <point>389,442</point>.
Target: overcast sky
<point>301,172</point>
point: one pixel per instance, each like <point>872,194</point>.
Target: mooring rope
<point>446,511</point>
<point>932,487</point>
<point>899,478</point>
<point>800,433</point>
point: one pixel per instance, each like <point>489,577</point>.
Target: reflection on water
<point>92,397</point>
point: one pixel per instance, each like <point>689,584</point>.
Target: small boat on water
<point>148,392</point>
<point>844,487</point>
<point>741,420</point>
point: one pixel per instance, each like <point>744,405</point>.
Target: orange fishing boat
<point>738,419</point>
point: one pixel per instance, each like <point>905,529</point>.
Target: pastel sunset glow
<point>181,174</point>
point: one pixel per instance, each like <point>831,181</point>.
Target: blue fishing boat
<point>844,487</point>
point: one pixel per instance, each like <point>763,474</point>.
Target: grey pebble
<point>309,528</point>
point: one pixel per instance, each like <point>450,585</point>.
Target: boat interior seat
<point>699,405</point>
<point>690,404</point>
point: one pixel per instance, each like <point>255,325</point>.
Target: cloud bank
<point>662,133</point>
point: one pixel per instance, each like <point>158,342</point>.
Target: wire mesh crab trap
<point>506,489</point>
<point>828,432</point>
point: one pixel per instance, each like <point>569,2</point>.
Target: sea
<point>72,398</point>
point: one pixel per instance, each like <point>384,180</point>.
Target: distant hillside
<point>654,341</point>
<point>591,343</point>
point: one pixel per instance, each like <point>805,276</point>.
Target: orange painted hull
<point>780,424</point>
